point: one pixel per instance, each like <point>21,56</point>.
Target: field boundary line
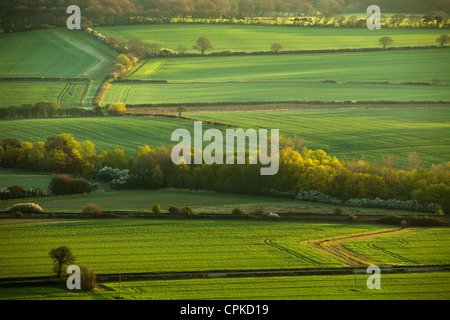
<point>213,274</point>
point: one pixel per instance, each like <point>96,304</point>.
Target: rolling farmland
<point>162,246</point>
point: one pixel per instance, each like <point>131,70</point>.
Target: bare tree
<point>443,39</point>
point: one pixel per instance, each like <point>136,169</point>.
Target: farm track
<point>138,68</point>
<point>5,43</point>
<point>332,247</point>
<point>63,92</point>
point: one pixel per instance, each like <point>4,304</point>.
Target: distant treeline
<point>47,109</point>
<point>307,170</point>
<point>23,14</point>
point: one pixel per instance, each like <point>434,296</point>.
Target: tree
<point>180,110</point>
<point>276,47</point>
<point>443,39</point>
<point>385,41</point>
<point>203,45</point>
<point>413,161</point>
<point>181,49</point>
<point>61,257</point>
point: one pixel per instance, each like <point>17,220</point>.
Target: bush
<point>403,224</point>
<point>273,215</point>
<point>26,208</point>
<point>352,217</point>
<point>439,212</point>
<point>63,184</point>
<point>174,209</point>
<point>18,214</point>
<point>116,109</point>
<point>238,211</point>
<point>338,210</point>
<point>156,208</point>
<point>188,211</point>
<point>88,278</point>
<point>259,212</point>
<point>92,210</point>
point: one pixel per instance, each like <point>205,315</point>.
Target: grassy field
<point>27,179</point>
<point>353,133</point>
<point>53,53</point>
<point>393,66</point>
<point>113,246</point>
<point>66,93</point>
<point>143,200</point>
<point>259,38</point>
<point>415,286</point>
<point>345,133</point>
<point>143,93</point>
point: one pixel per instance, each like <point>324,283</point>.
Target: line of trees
<point>300,169</point>
<point>21,14</point>
<point>47,109</point>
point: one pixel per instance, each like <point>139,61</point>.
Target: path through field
<point>332,246</point>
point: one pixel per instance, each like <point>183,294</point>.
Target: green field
<point>107,133</point>
<point>259,38</point>
<point>413,286</point>
<point>27,179</point>
<point>113,246</point>
<point>143,200</point>
<point>66,93</point>
<point>345,133</point>
<point>353,133</point>
<point>393,66</point>
<point>53,53</point>
<point>144,93</point>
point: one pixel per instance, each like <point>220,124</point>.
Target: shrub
<point>156,208</point>
<point>237,211</point>
<point>16,191</point>
<point>88,278</point>
<point>92,210</point>
<point>439,212</point>
<point>188,211</point>
<point>352,217</point>
<point>403,224</point>
<point>18,214</point>
<point>174,209</point>
<point>63,184</point>
<point>338,210</point>
<point>51,215</point>
<point>26,208</point>
<point>273,215</point>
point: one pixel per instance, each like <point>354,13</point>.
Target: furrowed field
<point>113,246</point>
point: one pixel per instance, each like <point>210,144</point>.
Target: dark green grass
<point>27,179</point>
